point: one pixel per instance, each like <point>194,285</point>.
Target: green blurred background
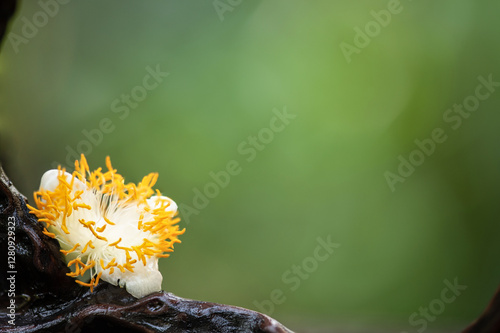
<point>324,174</point>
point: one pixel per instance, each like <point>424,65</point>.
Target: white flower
<point>107,229</point>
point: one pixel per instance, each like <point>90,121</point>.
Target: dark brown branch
<point>7,9</point>
<point>489,322</point>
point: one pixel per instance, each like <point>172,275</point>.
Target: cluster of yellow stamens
<point>105,226</point>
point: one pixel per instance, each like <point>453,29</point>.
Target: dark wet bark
<point>489,321</point>
<point>7,9</point>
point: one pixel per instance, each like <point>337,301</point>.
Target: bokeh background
<point>230,65</point>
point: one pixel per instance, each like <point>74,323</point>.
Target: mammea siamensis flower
<point>107,229</point>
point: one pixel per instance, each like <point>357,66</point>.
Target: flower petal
<point>142,282</point>
<point>50,181</point>
<point>139,285</point>
<point>155,202</point>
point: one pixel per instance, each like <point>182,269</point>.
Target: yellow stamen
<point>101,229</point>
<point>73,249</point>
<point>116,243</point>
<point>108,221</point>
<point>90,284</point>
<point>95,233</point>
<point>80,205</point>
<point>50,234</point>
<point>87,267</point>
<point>98,277</point>
<point>76,261</point>
<point>89,243</point>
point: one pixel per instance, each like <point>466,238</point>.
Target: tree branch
<point>7,9</point>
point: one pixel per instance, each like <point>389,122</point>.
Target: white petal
<point>50,181</point>
<point>155,202</point>
<point>140,286</point>
<point>142,282</point>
